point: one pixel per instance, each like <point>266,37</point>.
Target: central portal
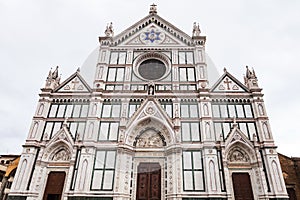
<point>149,181</point>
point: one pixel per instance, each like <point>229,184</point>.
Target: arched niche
<point>240,154</point>
<point>149,126</point>
<point>59,151</point>
<point>34,129</point>
<point>41,109</point>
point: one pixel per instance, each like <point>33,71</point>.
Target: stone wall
<point>291,173</point>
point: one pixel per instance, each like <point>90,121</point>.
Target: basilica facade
<point>151,126</point>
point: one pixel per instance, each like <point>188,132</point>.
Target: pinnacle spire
<point>250,78</point>
<point>109,31</point>
<point>53,79</point>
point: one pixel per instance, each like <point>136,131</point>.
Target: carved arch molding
<point>150,133</point>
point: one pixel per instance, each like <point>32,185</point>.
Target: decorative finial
<point>253,72</point>
<point>250,79</point>
<point>234,124</point>
<point>153,9</point>
<point>53,79</point>
<point>250,74</point>
<point>78,69</point>
<point>221,137</point>
<point>77,137</point>
<point>109,32</point>
<point>254,137</point>
<point>196,29</point>
<point>225,70</point>
<point>50,74</point>
<point>65,122</point>
<point>55,73</point>
<point>58,79</point>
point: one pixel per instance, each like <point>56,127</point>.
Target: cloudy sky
<point>37,35</point>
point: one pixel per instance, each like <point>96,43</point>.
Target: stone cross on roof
<point>153,9</point>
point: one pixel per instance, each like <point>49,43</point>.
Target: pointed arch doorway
<point>149,181</point>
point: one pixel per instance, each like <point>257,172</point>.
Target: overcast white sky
<point>36,35</point>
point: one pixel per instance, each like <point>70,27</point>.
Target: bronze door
<point>149,181</point>
<point>55,186</point>
<point>242,186</point>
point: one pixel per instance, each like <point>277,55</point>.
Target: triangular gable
<point>152,35</point>
<point>59,147</point>
<point>62,135</point>
<point>152,29</point>
<point>150,108</point>
<point>239,150</point>
<point>236,135</point>
<point>149,116</point>
<point>75,83</point>
<point>228,83</point>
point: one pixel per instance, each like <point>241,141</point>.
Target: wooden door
<point>149,181</point>
<point>242,186</point>
<point>55,186</point>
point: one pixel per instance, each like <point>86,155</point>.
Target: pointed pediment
<point>152,30</point>
<point>59,147</point>
<point>150,126</point>
<point>75,84</point>
<point>228,83</point>
<point>239,149</point>
<point>152,35</point>
<point>63,135</point>
<point>235,136</point>
<point>150,108</point>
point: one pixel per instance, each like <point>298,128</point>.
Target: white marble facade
<point>150,102</point>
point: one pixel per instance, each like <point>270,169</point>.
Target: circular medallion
<point>152,69</point>
<point>152,36</point>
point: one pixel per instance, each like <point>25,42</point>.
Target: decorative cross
<point>153,9</point>
<point>74,83</point>
<point>228,83</point>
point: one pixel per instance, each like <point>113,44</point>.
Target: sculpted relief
<point>62,155</point>
<point>150,138</point>
<point>238,155</point>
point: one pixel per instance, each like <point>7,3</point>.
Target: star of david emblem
<point>152,36</point>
